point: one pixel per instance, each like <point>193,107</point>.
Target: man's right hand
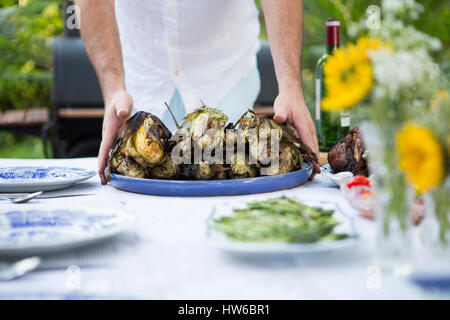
<point>117,111</point>
<point>102,42</point>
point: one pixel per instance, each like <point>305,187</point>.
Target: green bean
<point>282,219</point>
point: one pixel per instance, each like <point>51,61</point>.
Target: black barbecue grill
<point>75,88</point>
<point>76,132</point>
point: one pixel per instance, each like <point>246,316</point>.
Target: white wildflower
<point>353,30</point>
<point>379,92</point>
<point>401,69</point>
<point>409,8</point>
<point>435,44</point>
<point>392,5</point>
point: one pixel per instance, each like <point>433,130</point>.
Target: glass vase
<point>393,199</point>
<point>435,229</point>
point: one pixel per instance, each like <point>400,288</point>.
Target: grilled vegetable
<point>281,219</point>
<point>202,119</point>
<point>261,123</point>
<point>205,171</point>
<point>263,126</point>
<point>148,143</point>
<point>166,170</point>
<point>145,148</point>
<point>130,168</point>
<point>290,159</point>
<point>145,140</point>
<point>241,168</point>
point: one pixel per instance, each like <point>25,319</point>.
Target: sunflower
<point>348,74</point>
<point>367,44</point>
<point>348,78</point>
<point>420,156</point>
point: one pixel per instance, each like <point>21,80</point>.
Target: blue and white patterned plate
<point>31,179</point>
<point>39,229</point>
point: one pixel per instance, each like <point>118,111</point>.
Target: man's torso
<point>202,48</point>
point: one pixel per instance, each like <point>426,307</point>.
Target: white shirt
<point>200,47</point>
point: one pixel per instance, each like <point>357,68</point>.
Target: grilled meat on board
<point>349,154</point>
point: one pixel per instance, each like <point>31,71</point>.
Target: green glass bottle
<point>331,126</point>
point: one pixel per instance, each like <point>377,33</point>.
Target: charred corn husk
<point>200,171</point>
<point>205,171</point>
<point>149,148</point>
<point>289,160</point>
<point>260,123</point>
<point>166,170</point>
<point>130,168</point>
<point>263,126</point>
<point>198,123</point>
<point>145,148</point>
<point>144,140</point>
<point>241,168</point>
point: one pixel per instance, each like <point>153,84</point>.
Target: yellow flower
<point>348,74</point>
<point>347,78</point>
<point>440,95</point>
<point>420,157</point>
<point>367,44</point>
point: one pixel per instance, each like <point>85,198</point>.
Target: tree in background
<point>26,30</point>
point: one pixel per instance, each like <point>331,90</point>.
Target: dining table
<point>166,253</point>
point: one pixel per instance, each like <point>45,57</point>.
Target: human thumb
<point>122,112</point>
<point>280,116</point>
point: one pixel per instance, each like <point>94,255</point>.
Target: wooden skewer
<point>171,113</point>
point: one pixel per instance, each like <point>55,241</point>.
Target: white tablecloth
<point>166,255</point>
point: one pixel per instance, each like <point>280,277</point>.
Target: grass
<point>20,146</point>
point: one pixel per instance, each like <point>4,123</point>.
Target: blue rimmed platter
<point>209,188</point>
<point>31,179</point>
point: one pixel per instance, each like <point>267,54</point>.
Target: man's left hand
<point>290,106</point>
